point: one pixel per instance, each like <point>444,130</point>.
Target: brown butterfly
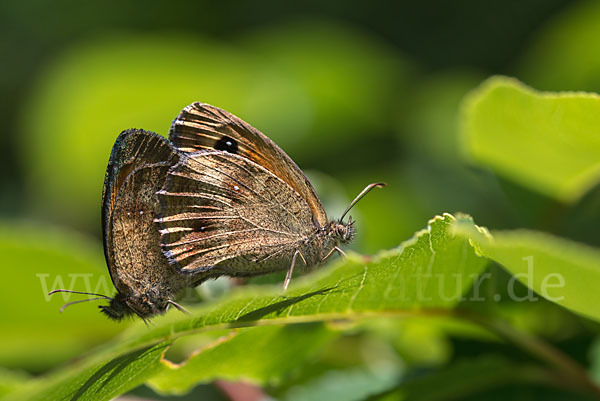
<point>236,204</point>
<point>228,201</point>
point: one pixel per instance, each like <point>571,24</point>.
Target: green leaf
<point>545,141</point>
<point>562,271</point>
<point>410,280</point>
<point>11,380</point>
<point>261,354</point>
<point>98,379</point>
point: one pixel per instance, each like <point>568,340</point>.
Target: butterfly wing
<point>202,126</point>
<point>137,167</point>
<point>225,213</point>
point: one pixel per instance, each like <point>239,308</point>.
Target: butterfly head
<point>343,233</point>
<point>118,308</point>
<point>122,305</point>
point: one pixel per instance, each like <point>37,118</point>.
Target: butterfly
<point>218,198</point>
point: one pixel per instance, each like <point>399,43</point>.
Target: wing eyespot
<point>227,144</point>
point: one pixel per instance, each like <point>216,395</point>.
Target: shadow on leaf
<point>280,306</point>
<point>112,369</point>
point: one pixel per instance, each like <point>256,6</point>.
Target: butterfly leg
<point>302,257</point>
<point>328,254</point>
<point>179,307</point>
<point>334,249</point>
<point>288,276</point>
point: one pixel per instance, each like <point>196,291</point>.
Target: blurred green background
<point>353,92</point>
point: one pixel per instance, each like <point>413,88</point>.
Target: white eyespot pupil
<point>141,212</point>
<point>202,228</point>
<point>229,143</point>
<point>236,188</point>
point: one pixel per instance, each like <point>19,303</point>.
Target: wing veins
<point>270,193</point>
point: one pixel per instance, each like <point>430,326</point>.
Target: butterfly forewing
<point>217,206</point>
<point>202,126</point>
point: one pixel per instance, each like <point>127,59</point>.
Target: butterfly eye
<point>227,144</point>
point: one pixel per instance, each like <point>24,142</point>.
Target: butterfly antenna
<point>78,302</point>
<point>98,297</point>
<point>179,307</point>
<point>79,292</point>
<point>365,191</point>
